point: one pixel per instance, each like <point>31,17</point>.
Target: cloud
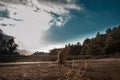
<point>59,6</point>
<point>4,13</point>
<point>30,19</point>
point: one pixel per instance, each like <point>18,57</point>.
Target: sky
<point>40,25</point>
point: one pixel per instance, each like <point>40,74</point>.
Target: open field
<point>87,69</point>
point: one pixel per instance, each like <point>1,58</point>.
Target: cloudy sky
<point>46,24</point>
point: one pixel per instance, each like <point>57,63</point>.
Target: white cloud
<point>36,18</point>
<point>58,6</point>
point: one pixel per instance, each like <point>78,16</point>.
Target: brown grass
<point>101,69</point>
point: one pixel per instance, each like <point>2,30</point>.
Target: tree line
<point>101,44</point>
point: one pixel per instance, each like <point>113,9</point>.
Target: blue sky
<point>97,16</point>
<point>46,24</point>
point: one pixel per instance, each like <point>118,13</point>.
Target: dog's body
<point>62,55</point>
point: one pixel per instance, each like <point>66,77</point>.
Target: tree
<point>108,30</point>
<point>109,45</point>
<point>7,44</point>
<point>75,49</point>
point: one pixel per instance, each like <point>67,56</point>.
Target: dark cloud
<point>59,1</point>
<point>15,1</point>
<point>3,24</point>
<point>4,13</point>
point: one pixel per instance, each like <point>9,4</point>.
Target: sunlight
<point>28,23</point>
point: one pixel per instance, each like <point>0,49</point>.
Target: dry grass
<point>74,70</point>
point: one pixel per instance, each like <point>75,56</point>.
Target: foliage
<point>101,44</point>
<point>7,44</point>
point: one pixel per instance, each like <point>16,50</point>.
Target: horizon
<point>41,25</point>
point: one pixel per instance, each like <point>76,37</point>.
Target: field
<point>83,69</point>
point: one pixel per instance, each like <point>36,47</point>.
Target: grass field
<point>87,69</point>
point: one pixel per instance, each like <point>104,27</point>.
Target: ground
<point>84,69</point>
